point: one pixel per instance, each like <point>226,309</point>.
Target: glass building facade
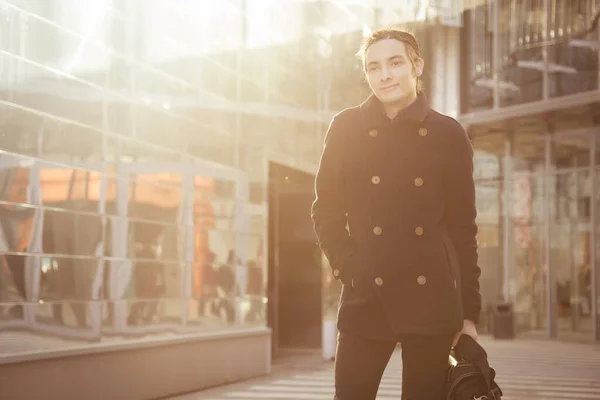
<point>530,98</point>
<point>135,142</point>
<point>530,32</point>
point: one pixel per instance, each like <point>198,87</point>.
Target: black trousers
<point>360,363</point>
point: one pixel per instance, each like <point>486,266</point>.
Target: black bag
<point>470,377</point>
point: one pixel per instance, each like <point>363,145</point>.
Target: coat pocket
<point>451,258</point>
<point>356,292</point>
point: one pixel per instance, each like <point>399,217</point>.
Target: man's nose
<point>385,74</point>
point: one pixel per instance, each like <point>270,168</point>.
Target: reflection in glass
<point>527,249</point>
<point>71,188</point>
<point>579,63</point>
<point>138,151</point>
<point>15,178</point>
<point>16,224</point>
<point>571,252</point>
<point>20,132</point>
<point>156,197</point>
<point>130,220</point>
<point>52,256</point>
<point>526,30</point>
<point>48,91</point>
<point>213,275</point>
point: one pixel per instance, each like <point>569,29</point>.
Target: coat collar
<point>374,112</point>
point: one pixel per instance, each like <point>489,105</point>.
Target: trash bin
<point>503,321</point>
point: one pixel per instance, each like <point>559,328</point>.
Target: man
<point>395,215</point>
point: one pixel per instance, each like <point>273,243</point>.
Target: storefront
<point>531,97</point>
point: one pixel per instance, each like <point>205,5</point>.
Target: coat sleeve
<point>329,210</point>
<point>460,215</point>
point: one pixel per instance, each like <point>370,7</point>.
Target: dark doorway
<point>295,287</point>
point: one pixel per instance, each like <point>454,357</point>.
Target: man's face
<point>390,72</point>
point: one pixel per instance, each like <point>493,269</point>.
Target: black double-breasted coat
<point>395,215</point>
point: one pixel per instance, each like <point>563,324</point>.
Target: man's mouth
<point>390,87</point>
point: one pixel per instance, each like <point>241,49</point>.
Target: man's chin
<point>392,97</point>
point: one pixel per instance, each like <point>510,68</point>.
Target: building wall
<point>525,31</point>
<point>544,219</point>
<point>160,370</point>
<point>445,65</point>
<point>133,187</point>
<point>134,144</point>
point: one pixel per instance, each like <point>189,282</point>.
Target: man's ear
<point>419,65</point>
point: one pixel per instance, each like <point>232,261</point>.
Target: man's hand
<point>467,329</point>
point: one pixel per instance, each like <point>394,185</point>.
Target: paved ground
<point>527,370</point>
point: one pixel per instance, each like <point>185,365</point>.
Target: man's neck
<point>392,109</point>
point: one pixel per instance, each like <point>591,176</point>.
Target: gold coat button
<point>421,280</point>
<point>336,272</point>
<point>423,132</point>
<point>418,182</point>
<point>419,230</point>
<point>378,281</point>
<point>373,133</point>
<point>377,230</point>
<point>375,179</point>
